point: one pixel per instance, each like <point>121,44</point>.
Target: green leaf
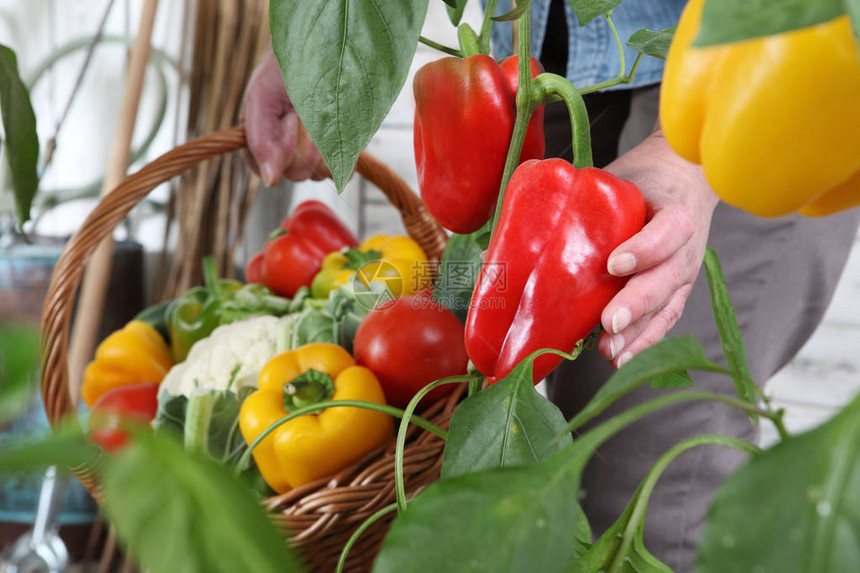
<point>519,10</point>
<point>313,325</point>
<point>22,141</point>
<point>588,10</point>
<point>344,63</point>
<point>636,559</point>
<point>735,20</point>
<point>19,361</point>
<point>510,423</point>
<point>806,489</point>
<point>67,447</point>
<point>730,332</point>
<point>672,380</point>
<point>181,511</point>
<point>651,42</point>
<point>455,10</point>
<point>669,356</point>
<point>505,520</point>
<point>458,271</point>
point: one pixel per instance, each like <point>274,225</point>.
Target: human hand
<point>664,258</point>
<point>277,142</point>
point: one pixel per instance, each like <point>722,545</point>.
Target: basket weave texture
<point>319,517</point>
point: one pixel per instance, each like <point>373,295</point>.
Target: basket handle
<point>115,206</point>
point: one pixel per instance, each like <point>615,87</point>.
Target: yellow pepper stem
<point>309,387</point>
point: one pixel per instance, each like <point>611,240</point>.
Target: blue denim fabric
<point>592,52</point>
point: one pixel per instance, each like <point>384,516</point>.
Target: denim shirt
<point>592,52</point>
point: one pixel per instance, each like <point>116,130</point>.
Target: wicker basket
<point>318,517</point>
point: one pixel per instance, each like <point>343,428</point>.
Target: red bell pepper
<point>544,282</point>
<point>464,117</point>
<point>294,253</point>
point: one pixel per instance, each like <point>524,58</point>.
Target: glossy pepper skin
<point>464,117</point>
<point>314,445</point>
<point>774,121</point>
<point>544,281</point>
<point>293,255</point>
<point>396,260</point>
<point>194,315</point>
<point>134,354</point>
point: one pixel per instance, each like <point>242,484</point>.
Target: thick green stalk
<point>487,26</point>
<point>549,86</point>
<point>525,108</point>
<point>470,44</point>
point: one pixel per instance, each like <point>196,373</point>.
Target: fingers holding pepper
<point>664,258</point>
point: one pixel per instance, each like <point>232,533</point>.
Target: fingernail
<point>621,319</point>
<point>624,358</point>
<point>269,174</point>
<point>621,264</point>
<point>616,344</point>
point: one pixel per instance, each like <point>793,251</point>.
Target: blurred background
<point>203,53</point>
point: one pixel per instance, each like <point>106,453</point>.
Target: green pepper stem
<point>309,387</point>
<point>643,493</point>
<point>525,108</point>
<point>470,44</point>
<point>547,87</point>
<point>442,48</point>
<point>384,408</point>
<point>487,26</point>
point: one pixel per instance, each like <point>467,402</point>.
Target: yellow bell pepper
<point>314,445</point>
<point>136,353</point>
<point>774,121</point>
<point>398,261</point>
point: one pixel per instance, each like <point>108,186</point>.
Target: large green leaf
<point>793,509</point>
<point>517,519</point>
<point>652,42</point>
<point>344,63</point>
<point>730,333</point>
<point>510,423</point>
<point>22,141</point>
<point>725,21</point>
<point>182,511</point>
<point>19,359</point>
<point>665,363</point>
<point>588,10</point>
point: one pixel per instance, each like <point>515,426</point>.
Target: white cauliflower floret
<point>232,355</point>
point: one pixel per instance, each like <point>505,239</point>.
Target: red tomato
<point>133,402</point>
<point>254,270</point>
<point>410,344</point>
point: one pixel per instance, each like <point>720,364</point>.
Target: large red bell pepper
<point>544,282</point>
<point>294,253</point>
<point>464,117</point>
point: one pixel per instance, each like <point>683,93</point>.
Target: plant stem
<point>487,26</point>
<point>548,86</point>
<point>399,485</point>
<point>622,68</point>
<point>607,429</point>
<point>384,408</point>
<point>643,493</point>
<point>440,47</point>
<point>341,562</point>
<point>524,110</point>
